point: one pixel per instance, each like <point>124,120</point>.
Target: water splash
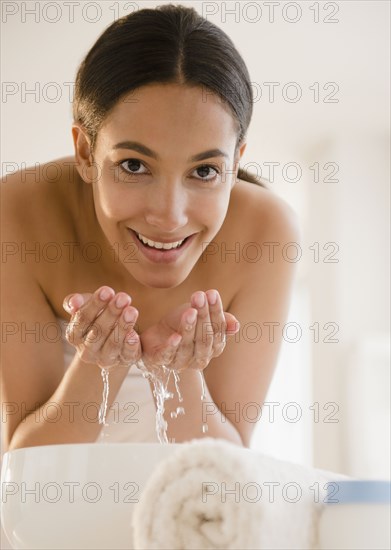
<point>203,385</point>
<point>203,397</point>
<point>160,378</point>
<point>177,380</point>
<point>105,396</point>
<point>179,410</point>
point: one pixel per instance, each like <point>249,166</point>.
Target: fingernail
<point>104,294</point>
<point>77,301</point>
<point>212,297</point>
<point>121,300</point>
<point>235,329</point>
<point>191,317</point>
<point>199,299</point>
<point>128,315</point>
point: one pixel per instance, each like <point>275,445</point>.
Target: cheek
<point>108,205</point>
<point>214,209</point>
<point>112,202</point>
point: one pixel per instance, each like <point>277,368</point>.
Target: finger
<point>131,351</point>
<point>84,317</point>
<point>203,341</point>
<point>73,302</point>
<point>233,325</point>
<point>218,322</point>
<point>185,351</point>
<point>123,343</point>
<point>165,355</point>
<point>102,339</point>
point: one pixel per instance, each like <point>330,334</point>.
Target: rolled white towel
<point>212,494</point>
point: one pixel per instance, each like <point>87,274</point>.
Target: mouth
<point>161,252</point>
<point>160,245</point>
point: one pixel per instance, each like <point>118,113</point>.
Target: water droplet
<point>177,380</point>
<point>105,396</point>
<point>160,378</point>
<point>203,397</point>
<point>203,394</point>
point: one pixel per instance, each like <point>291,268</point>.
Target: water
<point>179,410</point>
<point>105,396</point>
<point>103,407</point>
<point>203,385</point>
<point>177,379</point>
<point>160,378</point>
<point>203,397</point>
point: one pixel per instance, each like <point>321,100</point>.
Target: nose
<point>166,207</point>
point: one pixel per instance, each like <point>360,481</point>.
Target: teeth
<point>154,244</point>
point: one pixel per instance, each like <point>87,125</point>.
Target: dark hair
<point>170,43</point>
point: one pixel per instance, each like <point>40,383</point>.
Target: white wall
<point>353,133</point>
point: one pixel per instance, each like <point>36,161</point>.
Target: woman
<point>162,105</point>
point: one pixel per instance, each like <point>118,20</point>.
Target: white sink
<point>75,496</point>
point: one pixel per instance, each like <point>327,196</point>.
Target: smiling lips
<point>160,252</point>
<point>158,244</point>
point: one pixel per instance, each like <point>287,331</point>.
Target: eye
<point>204,171</point>
<point>132,166</point>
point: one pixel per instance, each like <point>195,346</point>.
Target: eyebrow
<point>144,150</point>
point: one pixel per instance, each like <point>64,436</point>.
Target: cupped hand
<point>102,328</point>
<point>190,335</point>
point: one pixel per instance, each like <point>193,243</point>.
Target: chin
<point>160,280</point>
<point>167,283</point>
<point>163,286</point>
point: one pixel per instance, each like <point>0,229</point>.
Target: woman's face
<point>166,167</point>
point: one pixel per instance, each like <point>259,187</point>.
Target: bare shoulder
<point>266,213</point>
<point>31,203</point>
<point>262,296</point>
<point>38,198</point>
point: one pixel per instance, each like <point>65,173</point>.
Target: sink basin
<point>75,496</point>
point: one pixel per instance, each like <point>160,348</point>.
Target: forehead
<point>171,115</point>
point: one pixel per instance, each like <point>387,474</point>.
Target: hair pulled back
<point>167,44</point>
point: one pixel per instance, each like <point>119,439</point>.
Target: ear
<point>242,148</point>
<point>83,153</point>
<point>238,156</point>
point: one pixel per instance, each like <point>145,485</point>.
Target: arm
<point>32,366</point>
<point>41,404</point>
<point>243,373</point>
<point>69,415</point>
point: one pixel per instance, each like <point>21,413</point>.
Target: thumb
<point>73,302</point>
<point>233,324</point>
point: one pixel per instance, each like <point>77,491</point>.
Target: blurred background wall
<point>320,135</point>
